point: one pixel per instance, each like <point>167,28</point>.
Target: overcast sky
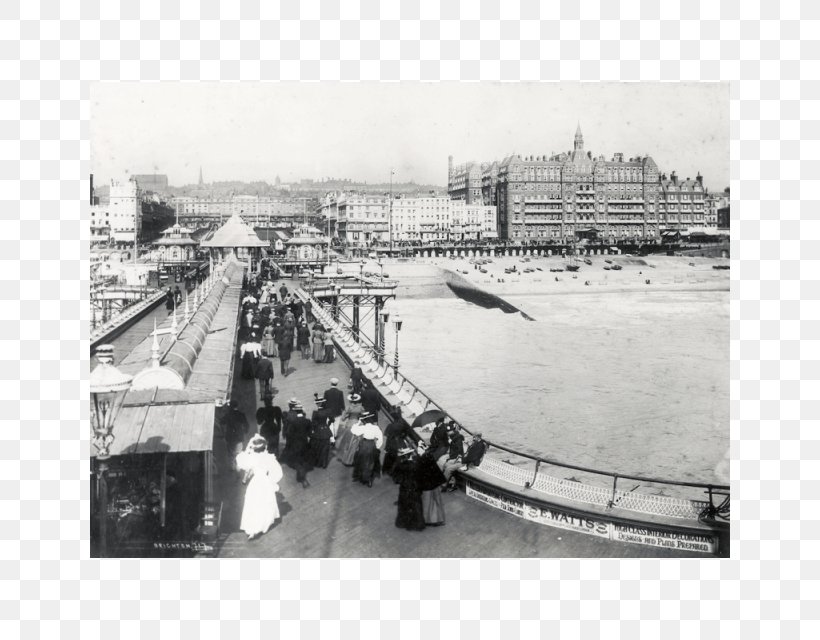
<point>258,131</point>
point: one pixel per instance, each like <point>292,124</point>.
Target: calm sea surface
<point>629,382</point>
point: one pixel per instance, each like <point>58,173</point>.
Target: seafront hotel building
<point>362,218</point>
<point>575,195</point>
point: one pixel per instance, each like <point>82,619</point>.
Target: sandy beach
<point>666,272</point>
<point>650,273</point>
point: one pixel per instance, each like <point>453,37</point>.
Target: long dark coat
<point>303,336</point>
<point>285,349</point>
<point>297,454</point>
<point>428,475</point>
<point>410,513</point>
<point>371,401</point>
<point>264,369</point>
<point>270,421</point>
<point>439,441</point>
<point>320,438</point>
<point>397,435</point>
<point>335,401</point>
<point>248,365</point>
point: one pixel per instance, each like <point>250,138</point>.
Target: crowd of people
<point>344,426</point>
<point>276,323</point>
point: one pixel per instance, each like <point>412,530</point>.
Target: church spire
<point>201,182</point>
<point>579,139</point>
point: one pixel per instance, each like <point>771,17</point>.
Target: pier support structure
<point>355,324</point>
<point>362,299</point>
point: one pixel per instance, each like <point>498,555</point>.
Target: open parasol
<point>427,417</point>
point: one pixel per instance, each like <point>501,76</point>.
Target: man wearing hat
<point>297,447</point>
<point>357,377</point>
<point>285,347</point>
<point>371,400</point>
<point>475,452</point>
<point>335,404</point>
<point>289,416</point>
<point>264,376</point>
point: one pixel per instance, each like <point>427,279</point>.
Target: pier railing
<point>706,502</point>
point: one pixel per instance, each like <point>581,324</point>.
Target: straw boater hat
<point>319,400</point>
<point>354,397</point>
<point>334,381</point>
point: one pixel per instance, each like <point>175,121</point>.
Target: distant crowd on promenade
<point>341,425</point>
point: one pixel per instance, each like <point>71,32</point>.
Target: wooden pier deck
<point>337,518</point>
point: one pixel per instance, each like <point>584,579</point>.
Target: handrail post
<point>614,487</point>
<point>529,484</point>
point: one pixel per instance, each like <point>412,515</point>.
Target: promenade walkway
<point>336,517</point>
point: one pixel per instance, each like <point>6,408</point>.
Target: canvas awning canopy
<point>163,428</point>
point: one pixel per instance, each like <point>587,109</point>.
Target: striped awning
<point>164,428</point>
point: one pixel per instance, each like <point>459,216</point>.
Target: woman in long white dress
<point>260,510</point>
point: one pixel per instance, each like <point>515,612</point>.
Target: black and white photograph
<point>409,320</point>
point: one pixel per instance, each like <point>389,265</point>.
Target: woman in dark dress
<point>321,434</point>
<point>269,419</point>
<point>303,340</point>
<point>397,435</point>
<point>346,443</point>
<point>429,479</point>
<point>366,465</point>
<point>410,512</point>
<point>251,351</point>
<point>439,441</point>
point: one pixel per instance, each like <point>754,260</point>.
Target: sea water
<point>636,382</point>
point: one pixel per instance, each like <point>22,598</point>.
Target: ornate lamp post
<point>108,388</point>
<point>361,270</point>
<point>385,316</point>
<point>397,322</point>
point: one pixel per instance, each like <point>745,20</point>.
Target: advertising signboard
<point>595,526</point>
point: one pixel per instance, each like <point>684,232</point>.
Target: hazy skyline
<point>248,132</point>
